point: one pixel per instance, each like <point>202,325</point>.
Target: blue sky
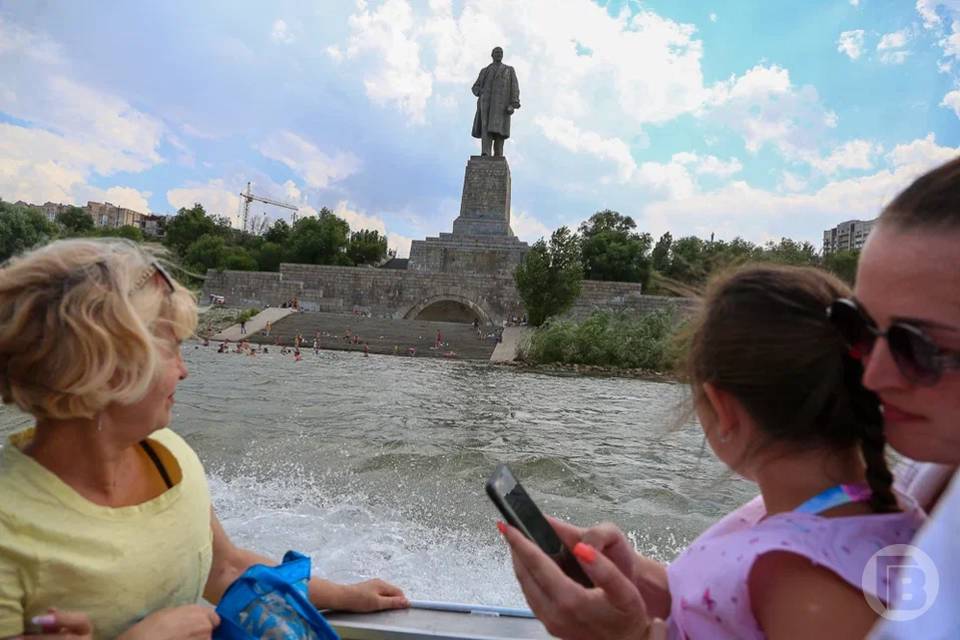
<point>757,119</point>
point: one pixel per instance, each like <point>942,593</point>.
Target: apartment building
<point>848,235</point>
<point>105,214</point>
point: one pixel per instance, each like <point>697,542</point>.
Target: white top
<point>939,539</point>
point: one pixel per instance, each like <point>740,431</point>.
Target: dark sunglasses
<point>919,359</point>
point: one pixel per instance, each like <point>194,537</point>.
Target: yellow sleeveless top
<point>58,549</point>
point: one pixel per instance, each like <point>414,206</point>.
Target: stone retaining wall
<point>390,293</point>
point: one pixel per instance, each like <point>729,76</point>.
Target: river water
<point>375,466</point>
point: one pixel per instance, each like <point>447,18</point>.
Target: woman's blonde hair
<point>79,322</point>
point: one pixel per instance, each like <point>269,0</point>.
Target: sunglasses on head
<point>155,269</point>
<point>918,357</point>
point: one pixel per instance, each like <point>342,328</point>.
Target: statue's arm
<point>479,83</point>
<point>514,90</point>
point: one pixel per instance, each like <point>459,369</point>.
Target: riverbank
<point>590,370</point>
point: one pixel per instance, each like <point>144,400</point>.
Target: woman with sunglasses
<point>904,323</point>
<point>103,509</point>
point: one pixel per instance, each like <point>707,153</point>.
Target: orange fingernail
<point>585,553</point>
<point>502,528</point>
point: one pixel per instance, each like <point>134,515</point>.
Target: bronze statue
<point>498,96</point>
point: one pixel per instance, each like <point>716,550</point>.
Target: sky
<point>754,119</point>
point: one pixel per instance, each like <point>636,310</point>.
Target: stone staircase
<point>380,334</point>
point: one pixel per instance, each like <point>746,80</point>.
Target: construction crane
<point>249,197</point>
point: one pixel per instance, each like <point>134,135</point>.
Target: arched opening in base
<point>449,309</point>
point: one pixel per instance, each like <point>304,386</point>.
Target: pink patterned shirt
<point>708,581</point>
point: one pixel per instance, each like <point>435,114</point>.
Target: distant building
<point>846,236</point>
<point>105,214</point>
<point>154,225</point>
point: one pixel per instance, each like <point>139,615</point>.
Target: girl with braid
<point>780,399</point>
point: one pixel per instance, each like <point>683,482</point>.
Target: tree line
<point>609,247</point>
<point>207,242</point>
<point>201,241</point>
<point>22,228</point>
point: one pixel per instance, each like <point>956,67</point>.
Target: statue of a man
<point>498,96</point>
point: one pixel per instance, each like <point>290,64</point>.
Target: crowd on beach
<point>800,385</point>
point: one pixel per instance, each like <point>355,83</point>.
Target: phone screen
<point>520,511</point>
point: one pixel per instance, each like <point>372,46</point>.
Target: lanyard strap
<point>835,497</point>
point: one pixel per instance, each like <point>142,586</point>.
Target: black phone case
<point>565,559</point>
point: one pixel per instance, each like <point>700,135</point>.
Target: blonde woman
<point>103,510</point>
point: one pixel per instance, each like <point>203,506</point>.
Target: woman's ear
<point>725,408</point>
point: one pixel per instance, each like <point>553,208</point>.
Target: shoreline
<point>590,370</point>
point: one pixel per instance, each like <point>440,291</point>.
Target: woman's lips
<point>892,413</point>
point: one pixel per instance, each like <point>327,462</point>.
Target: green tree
<point>206,252</point>
<point>550,277</point>
<point>188,226</point>
<point>660,257</point>
<point>239,259</point>
<point>127,231</point>
<point>790,252</point>
<point>269,256</point>
<point>687,260</point>
<point>75,221</point>
<point>279,233</point>
<point>22,229</point>
<point>612,250</point>
<point>320,240</point>
<point>843,264</point>
<point>366,247</point>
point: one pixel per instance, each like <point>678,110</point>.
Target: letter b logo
<point>904,579</point>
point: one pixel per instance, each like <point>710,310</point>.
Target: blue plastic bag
<point>271,603</point>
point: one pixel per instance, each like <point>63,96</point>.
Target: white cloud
<point>851,43</point>
<point>527,227</point>
<point>388,34</point>
<point>335,53</point>
<point>121,196</point>
<point>950,43</point>
<point>920,154</point>
<point>855,3</point>
<point>764,107</point>
<point>855,154</point>
<point>741,209</point>
<point>716,167</point>
<point>952,101</point>
<point>566,134</point>
<point>216,196</point>
<point>360,220</point>
<point>891,47</point>
<point>930,11</point>
<point>792,182</point>
<point>74,131</point>
<point>647,65</point>
<point>713,17</point>
<point>281,32</point>
<point>317,168</point>
<point>400,244</point>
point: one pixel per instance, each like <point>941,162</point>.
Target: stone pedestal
<point>485,203</point>
<point>482,241</point>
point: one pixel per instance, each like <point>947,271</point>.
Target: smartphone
<point>520,511</point>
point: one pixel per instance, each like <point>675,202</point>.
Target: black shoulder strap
<point>156,461</point>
